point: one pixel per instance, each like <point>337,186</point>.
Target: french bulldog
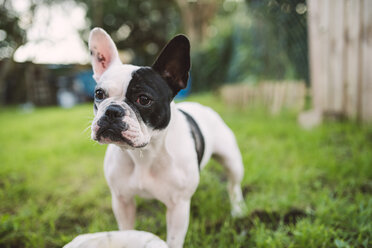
<point>156,147</point>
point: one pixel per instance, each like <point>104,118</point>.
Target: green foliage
<point>143,27</point>
<point>12,35</point>
<point>252,41</point>
<point>210,62</point>
<point>280,28</point>
<point>302,188</point>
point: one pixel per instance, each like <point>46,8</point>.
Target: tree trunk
<point>5,68</point>
<point>196,17</point>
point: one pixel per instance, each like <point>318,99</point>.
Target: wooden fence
<point>273,96</point>
<point>340,38</point>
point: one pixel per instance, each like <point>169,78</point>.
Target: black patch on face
<point>147,82</point>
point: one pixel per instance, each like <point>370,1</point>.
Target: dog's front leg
<point>177,223</point>
<point>125,212</point>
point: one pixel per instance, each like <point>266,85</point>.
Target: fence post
<point>340,38</point>
<point>366,66</point>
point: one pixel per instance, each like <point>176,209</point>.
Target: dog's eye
<point>99,94</point>
<point>144,100</point>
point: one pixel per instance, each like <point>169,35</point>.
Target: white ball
<point>117,239</point>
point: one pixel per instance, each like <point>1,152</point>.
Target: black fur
<point>197,136</point>
<point>146,81</point>
<point>173,63</point>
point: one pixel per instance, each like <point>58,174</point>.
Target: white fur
<point>116,79</point>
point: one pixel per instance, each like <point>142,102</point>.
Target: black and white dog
<point>157,147</point>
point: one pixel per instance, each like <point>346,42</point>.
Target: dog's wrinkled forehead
<point>116,79</point>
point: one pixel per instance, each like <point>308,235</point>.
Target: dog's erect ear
<point>173,63</point>
<point>103,52</point>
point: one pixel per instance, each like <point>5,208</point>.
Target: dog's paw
<point>238,210</point>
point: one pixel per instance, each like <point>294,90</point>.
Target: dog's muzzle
<point>111,124</point>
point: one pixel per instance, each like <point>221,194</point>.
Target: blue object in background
<point>185,92</point>
<point>87,81</point>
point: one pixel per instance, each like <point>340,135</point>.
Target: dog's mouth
<point>118,133</point>
<point>108,134</point>
<point>110,128</point>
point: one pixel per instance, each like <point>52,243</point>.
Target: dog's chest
<point>147,177</point>
<point>144,182</point>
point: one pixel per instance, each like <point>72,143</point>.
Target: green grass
<point>302,188</point>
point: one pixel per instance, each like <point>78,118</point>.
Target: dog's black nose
<point>114,111</point>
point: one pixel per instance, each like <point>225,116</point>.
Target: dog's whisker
<point>86,129</point>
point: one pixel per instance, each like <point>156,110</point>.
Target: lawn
<point>302,188</point>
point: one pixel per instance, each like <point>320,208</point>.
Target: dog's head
<point>132,103</point>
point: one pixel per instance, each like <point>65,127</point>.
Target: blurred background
<point>265,66</point>
<point>44,57</point>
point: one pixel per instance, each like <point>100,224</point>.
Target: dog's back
<point>220,143</point>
